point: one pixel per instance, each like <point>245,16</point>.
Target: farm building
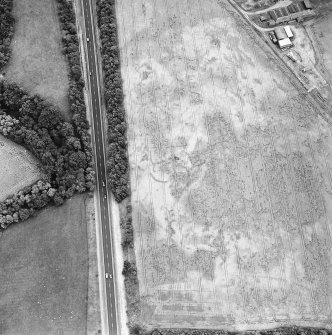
<point>283,35</point>
<point>280,33</point>
<point>295,11</point>
<point>289,32</point>
<point>285,43</point>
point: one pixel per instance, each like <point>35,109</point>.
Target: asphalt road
<point>100,162</point>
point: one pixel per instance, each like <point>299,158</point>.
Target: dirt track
<point>230,174</point>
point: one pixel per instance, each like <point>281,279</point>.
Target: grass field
<point>230,173</point>
<point>18,168</point>
<point>44,273</point>
<point>37,62</point>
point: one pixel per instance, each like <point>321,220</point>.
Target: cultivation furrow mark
<point>325,150</point>
<point>209,139</point>
<point>314,226</point>
<point>215,100</point>
<point>138,200</point>
<point>154,22</point>
<point>269,192</point>
<point>144,38</point>
<point>325,220</point>
<point>215,195</point>
<point>299,223</point>
<point>253,176</point>
<point>329,175</point>
<point>296,200</point>
<point>239,267</point>
<point>277,237</point>
<point>190,87</point>
<point>181,123</point>
<point>281,132</point>
<point>173,165</point>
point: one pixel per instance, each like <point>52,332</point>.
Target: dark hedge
<point>117,165</point>
<point>7,23</point>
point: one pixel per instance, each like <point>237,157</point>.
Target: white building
<point>285,43</point>
<point>289,32</point>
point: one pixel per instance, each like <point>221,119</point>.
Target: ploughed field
<point>230,173</point>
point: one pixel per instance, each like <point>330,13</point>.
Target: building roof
<point>288,31</point>
<point>278,12</point>
<point>280,33</point>
<point>272,15</point>
<point>283,19</point>
<point>291,8</point>
<point>284,43</point>
<point>284,11</point>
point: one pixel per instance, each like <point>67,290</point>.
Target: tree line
<point>117,160</point>
<point>63,147</point>
<point>7,23</point>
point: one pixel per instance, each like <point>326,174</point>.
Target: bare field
<point>37,62</point>
<point>44,273</point>
<point>230,173</point>
<point>18,168</point>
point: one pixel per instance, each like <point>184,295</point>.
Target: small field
<point>44,273</point>
<point>18,168</point>
<point>323,34</point>
<point>37,62</point>
<point>230,173</point>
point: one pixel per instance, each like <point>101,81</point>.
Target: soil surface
<point>230,174</point>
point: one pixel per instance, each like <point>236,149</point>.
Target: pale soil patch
<point>230,173</point>
<point>37,62</point>
<point>44,273</point>
<point>18,168</point>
